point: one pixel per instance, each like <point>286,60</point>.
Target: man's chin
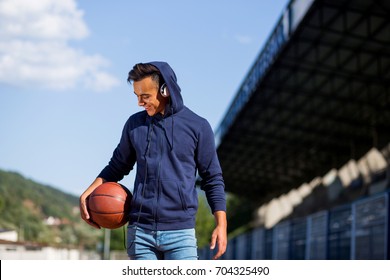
<point>149,112</point>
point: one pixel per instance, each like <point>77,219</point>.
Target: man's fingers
<point>95,225</point>
<point>213,241</point>
<point>221,250</point>
<point>85,215</point>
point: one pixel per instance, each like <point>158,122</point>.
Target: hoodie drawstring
<point>149,140</point>
<point>166,136</point>
<point>172,127</point>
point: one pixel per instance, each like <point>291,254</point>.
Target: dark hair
<point>144,70</point>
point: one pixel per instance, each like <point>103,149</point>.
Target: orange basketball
<point>109,205</point>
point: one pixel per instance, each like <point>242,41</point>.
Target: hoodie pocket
<point>172,205</point>
<point>143,201</point>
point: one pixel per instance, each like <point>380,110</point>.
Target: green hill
<point>41,213</point>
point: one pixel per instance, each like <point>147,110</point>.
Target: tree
<point>205,223</point>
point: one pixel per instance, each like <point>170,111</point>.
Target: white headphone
<point>164,90</point>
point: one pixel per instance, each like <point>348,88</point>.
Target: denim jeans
<point>145,244</point>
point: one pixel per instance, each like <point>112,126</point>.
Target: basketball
<point>109,205</point>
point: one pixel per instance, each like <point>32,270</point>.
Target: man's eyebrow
<point>142,94</point>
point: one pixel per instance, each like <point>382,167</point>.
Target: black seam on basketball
<point>113,196</point>
<point>105,213</point>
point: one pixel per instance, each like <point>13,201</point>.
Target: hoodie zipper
<point>158,191</point>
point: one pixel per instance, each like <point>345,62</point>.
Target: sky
<point>64,96</point>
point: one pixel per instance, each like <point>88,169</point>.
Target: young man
<point>170,144</point>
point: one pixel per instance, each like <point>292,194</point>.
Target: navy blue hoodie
<point>169,150</point>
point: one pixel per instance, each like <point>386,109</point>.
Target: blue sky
<point>63,68</point>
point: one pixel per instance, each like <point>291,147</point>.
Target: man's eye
<point>143,97</point>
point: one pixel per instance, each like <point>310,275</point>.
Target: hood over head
<point>170,80</point>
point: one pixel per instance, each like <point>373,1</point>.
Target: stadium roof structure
<point>316,96</point>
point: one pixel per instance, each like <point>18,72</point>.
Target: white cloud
<point>34,49</point>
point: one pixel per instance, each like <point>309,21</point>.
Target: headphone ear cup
<point>164,90</point>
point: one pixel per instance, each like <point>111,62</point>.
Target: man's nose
<point>140,101</point>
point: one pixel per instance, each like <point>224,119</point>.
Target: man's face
<point>146,91</point>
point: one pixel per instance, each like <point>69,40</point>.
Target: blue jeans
<point>143,244</point>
